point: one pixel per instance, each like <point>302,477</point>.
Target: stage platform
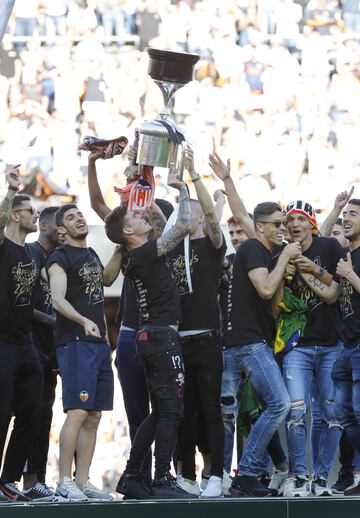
<point>329,507</point>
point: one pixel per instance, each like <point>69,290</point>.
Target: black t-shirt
<point>249,316</point>
<point>42,334</point>
<point>84,291</point>
<point>19,273</point>
<point>128,312</point>
<point>323,324</point>
<point>200,308</point>
<point>154,285</point>
<point>350,304</point>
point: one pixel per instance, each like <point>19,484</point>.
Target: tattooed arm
<point>157,219</point>
<point>167,241</point>
<point>212,223</point>
<point>13,179</point>
<point>341,200</point>
<point>328,294</point>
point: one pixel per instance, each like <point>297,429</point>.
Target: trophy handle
<point>182,160</point>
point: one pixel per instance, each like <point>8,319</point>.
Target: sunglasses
<point>276,224</point>
<point>32,210</point>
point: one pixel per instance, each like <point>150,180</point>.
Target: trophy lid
<point>172,67</point>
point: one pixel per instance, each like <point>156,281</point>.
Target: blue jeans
<point>265,377</point>
<point>346,376</point>
<point>230,385</point>
<point>301,367</point>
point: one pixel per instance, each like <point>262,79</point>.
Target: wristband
<point>195,179</point>
<point>11,188</point>
<point>320,271</point>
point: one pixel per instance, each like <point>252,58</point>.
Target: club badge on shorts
<point>84,396</point>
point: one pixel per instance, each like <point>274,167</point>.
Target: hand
<point>343,198</point>
<point>189,162</point>
<point>221,170</point>
<point>91,329</point>
<point>99,152</point>
<point>305,265</point>
<point>292,250</point>
<point>219,195</point>
<point>345,267</point>
<point>290,269</point>
<point>132,154</point>
<point>13,176</point>
<point>173,181</point>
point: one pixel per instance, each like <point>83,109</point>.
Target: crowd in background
<point>277,89</point>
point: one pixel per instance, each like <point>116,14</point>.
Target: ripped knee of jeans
<point>330,415</point>
<point>227,400</point>
<point>296,415</point>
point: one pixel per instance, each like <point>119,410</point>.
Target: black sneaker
<point>11,490</point>
<point>265,481</point>
<point>353,490</point>
<point>4,498</point>
<point>40,492</point>
<point>133,486</point>
<point>344,481</point>
<point>244,485</point>
<point>166,487</point>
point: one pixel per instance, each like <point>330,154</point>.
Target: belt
<point>200,336</point>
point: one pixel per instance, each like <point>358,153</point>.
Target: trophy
<point>161,141</point>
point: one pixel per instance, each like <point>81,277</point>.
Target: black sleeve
<point>336,253</point>
<point>255,256</point>
<point>58,256</point>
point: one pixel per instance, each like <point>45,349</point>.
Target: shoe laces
<point>89,486</point>
<point>320,482</point>
<point>71,485</point>
<point>13,486</point>
<point>300,482</point>
<point>42,488</point>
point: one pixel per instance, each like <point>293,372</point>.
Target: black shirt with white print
<point>350,304</point>
<point>128,312</point>
<point>43,335</point>
<point>249,316</point>
<point>223,294</point>
<point>84,291</point>
<point>323,322</point>
<point>154,286</point>
<point>19,273</point>
<point>200,308</point>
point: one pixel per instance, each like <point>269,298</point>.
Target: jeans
<point>301,367</point>
<point>134,389</point>
<point>160,353</point>
<point>203,369</point>
<point>21,383</point>
<point>265,377</point>
<point>346,376</point>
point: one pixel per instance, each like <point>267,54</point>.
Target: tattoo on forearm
<point>158,221</point>
<point>215,228</point>
<point>168,241</point>
<point>316,283</point>
<point>5,209</point>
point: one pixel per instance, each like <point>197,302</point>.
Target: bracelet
<point>11,188</point>
<point>195,179</point>
<point>320,271</point>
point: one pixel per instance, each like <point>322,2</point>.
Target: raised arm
<point>237,207</point>
<point>206,203</point>
<point>168,241</point>
<point>341,200</point>
<point>157,219</point>
<point>58,286</point>
<point>266,283</point>
<point>113,267</point>
<point>13,179</point>
<point>345,269</point>
<point>96,197</point>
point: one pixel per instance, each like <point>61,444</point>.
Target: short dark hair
<point>354,201</point>
<point>19,198</point>
<point>165,206</point>
<point>59,216</point>
<point>265,209</point>
<point>114,225</point>
<point>232,220</point>
<point>47,212</point>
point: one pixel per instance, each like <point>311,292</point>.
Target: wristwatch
<point>320,271</point>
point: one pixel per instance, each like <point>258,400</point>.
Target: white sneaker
<point>190,486</point>
<point>227,481</point>
<point>93,493</point>
<point>214,488</point>
<point>297,486</point>
<point>204,481</point>
<point>278,480</point>
<point>69,490</point>
<point>319,487</point>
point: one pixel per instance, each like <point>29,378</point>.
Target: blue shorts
<point>86,375</point>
